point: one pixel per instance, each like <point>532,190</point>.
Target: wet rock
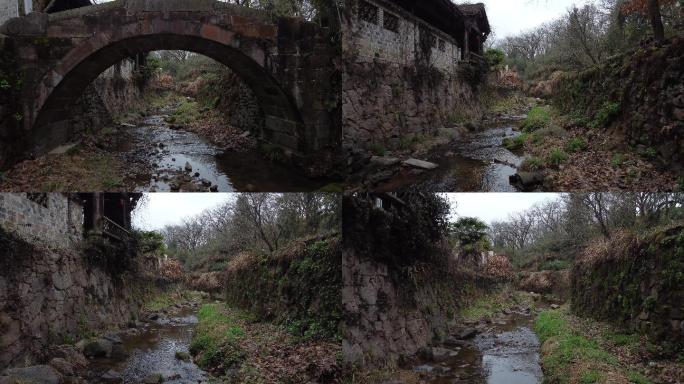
<point>69,353</point>
<point>245,134</point>
<point>453,342</point>
<point>527,181</point>
<point>62,366</point>
<point>114,338</point>
<point>111,376</point>
<point>442,354</point>
<point>385,161</point>
<point>420,164</point>
<point>154,378</point>
<point>467,333</point>
<point>380,176</point>
<point>424,369</point>
<point>180,355</point>
<point>197,174</point>
<point>98,348</point>
<point>37,374</point>
<point>214,188</point>
<point>119,352</point>
<point>188,166</point>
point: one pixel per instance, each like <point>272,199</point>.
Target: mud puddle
<point>152,351</point>
<point>505,352</point>
<point>182,160</point>
<point>478,162</point>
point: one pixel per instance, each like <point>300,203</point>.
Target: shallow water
<point>168,150</point>
<point>153,351</point>
<point>478,162</point>
<point>504,353</point>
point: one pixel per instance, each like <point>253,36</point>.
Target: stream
<point>151,350</point>
<point>477,162</point>
<point>504,352</point>
<point>169,151</point>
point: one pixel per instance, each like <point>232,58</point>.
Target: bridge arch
<point>103,35</point>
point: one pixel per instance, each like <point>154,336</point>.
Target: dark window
<point>38,198</point>
<point>368,12</point>
<point>442,45</point>
<point>391,22</point>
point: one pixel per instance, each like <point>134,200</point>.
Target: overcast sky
<point>162,209</point>
<point>494,206</point>
<point>509,17</point>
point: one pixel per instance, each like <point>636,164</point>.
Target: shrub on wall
<point>409,231</point>
<point>299,286</point>
<point>636,283</point>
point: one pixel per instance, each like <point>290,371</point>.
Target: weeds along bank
<point>636,283</point>
<point>402,290</point>
<point>640,95</point>
<point>280,321</point>
<point>299,286</point>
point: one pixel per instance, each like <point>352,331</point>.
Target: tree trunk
<point>656,20</point>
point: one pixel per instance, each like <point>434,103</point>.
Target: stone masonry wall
<point>377,327</point>
<point>384,103</point>
<point>299,286</point>
<point>117,87</point>
<point>394,87</point>
<point>637,284</point>
<point>50,219</point>
<point>51,296</point>
<point>8,10</point>
<point>641,95</point>
<point>238,103</point>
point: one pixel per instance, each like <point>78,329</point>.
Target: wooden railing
<point>114,230</point>
<point>476,59</point>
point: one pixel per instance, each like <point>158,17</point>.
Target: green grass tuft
<point>538,118</point>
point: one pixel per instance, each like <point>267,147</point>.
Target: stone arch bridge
<point>288,63</point>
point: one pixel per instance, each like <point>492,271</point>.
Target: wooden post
<point>98,208</point>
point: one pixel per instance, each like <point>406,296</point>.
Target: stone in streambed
<point>420,164</point>
<point>384,161</point>
<point>527,181</point>
<point>155,378</point>
<point>37,374</point>
<point>111,376</point>
<point>63,366</point>
<point>98,348</point>
<point>180,355</point>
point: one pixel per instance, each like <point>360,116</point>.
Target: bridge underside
<point>288,63</point>
<point>283,125</point>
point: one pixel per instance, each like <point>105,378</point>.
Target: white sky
<point>509,17</point>
<point>494,206</point>
<point>163,209</point>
